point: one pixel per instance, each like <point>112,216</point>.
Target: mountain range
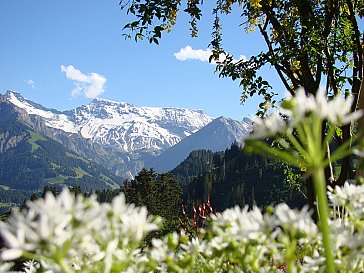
<point>216,136</point>
<point>29,161</point>
<point>123,138</point>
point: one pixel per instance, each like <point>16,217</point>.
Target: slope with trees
<point>310,44</point>
<point>29,161</point>
<point>235,178</point>
<point>159,193</point>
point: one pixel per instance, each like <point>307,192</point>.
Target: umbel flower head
<point>337,111</point>
<point>70,231</point>
<point>299,108</point>
<point>297,127</point>
<point>105,238</point>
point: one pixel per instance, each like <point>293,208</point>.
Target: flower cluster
<point>349,226</point>
<point>75,234</point>
<point>300,107</point>
<point>301,139</point>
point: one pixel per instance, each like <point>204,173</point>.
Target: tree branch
<point>276,66</point>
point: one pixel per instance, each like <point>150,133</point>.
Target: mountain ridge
<point>30,160</point>
<point>124,138</point>
<point>218,135</point>
<point>120,124</point>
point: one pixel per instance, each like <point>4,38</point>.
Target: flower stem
<point>290,258</point>
<point>64,266</point>
<point>320,189</point>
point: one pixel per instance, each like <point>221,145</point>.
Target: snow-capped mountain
<point>218,135</point>
<point>124,138</point>
<point>121,125</point>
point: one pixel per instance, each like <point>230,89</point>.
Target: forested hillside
<point>29,161</point>
<point>234,178</point>
<point>159,193</point>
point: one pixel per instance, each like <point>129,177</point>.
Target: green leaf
<point>260,147</point>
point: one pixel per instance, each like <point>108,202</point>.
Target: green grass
<point>55,166</point>
<point>5,187</point>
<point>6,205</point>
<point>113,185</point>
<point>60,179</point>
<point>109,181</point>
<point>56,180</point>
<point>105,178</point>
<point>77,157</point>
<point>80,172</point>
<point>34,137</point>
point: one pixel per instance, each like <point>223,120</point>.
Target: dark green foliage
<point>13,196</point>
<point>20,168</point>
<point>10,197</point>
<point>106,195</point>
<point>196,163</point>
<point>234,178</point>
<point>161,194</point>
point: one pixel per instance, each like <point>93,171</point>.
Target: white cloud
<point>242,58</point>
<point>188,53</point>
<point>31,83</point>
<point>90,86</point>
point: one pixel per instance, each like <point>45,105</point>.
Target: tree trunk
<point>345,166</point>
<point>360,106</point>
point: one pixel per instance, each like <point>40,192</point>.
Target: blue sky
<point>61,54</point>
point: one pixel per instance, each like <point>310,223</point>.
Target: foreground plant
<point>298,130</point>
<point>75,234</point>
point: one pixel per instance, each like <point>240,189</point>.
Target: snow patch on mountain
<point>120,124</point>
<point>52,117</point>
<point>218,135</point>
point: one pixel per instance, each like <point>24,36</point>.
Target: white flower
<point>159,250</point>
<point>302,105</point>
<point>350,197</point>
<point>218,243</point>
<point>349,193</point>
<point>298,108</point>
<point>315,264</point>
<point>337,111</point>
<point>321,106</point>
<point>295,222</point>
<point>30,266</point>
<point>240,225</point>
<point>111,248</point>
<point>195,246</point>
<point>342,113</point>
<point>240,240</point>
<point>269,126</point>
<point>5,267</point>
<point>84,232</point>
<point>14,239</point>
